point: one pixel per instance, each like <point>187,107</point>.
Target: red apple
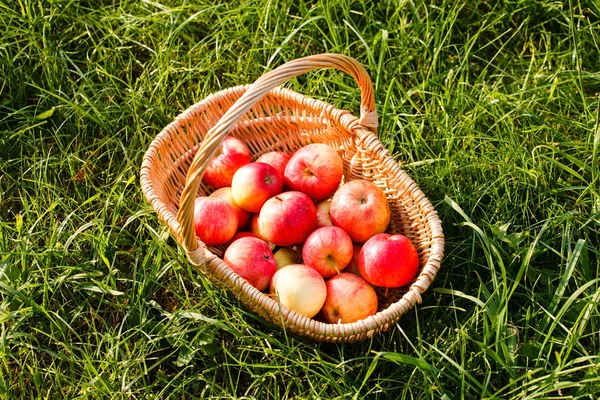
<point>240,235</point>
<point>315,170</point>
<point>252,259</point>
<point>323,218</point>
<point>287,256</point>
<point>231,155</point>
<point>254,229</point>
<point>352,267</point>
<point>243,216</point>
<point>328,250</point>
<point>255,183</point>
<point>300,288</point>
<point>215,221</point>
<point>287,219</point>
<point>388,260</point>
<point>361,209</point>
<point>276,159</point>
<point>349,299</point>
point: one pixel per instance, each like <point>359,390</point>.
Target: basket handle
<point>215,136</point>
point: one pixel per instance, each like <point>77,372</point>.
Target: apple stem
<point>386,291</point>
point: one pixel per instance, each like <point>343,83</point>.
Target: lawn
<point>491,107</point>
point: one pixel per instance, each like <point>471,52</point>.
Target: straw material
<point>267,118</point>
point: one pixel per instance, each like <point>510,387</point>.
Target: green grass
<point>492,109</point>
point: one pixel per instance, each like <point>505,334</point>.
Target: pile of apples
<point>290,228</point>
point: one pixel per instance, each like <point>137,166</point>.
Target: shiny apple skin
<point>287,219</point>
<point>361,209</point>
<point>231,156</point>
<point>388,261</point>
<point>316,170</point>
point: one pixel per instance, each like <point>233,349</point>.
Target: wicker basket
<point>267,117</point>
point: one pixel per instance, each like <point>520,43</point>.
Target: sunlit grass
<point>492,109</point>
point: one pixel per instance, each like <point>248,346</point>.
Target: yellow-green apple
<point>215,221</point>
<point>361,209</point>
<point>388,260</point>
<point>287,256</point>
<point>300,288</point>
<point>328,250</point>
<point>276,159</point>
<point>287,219</point>
<point>316,170</point>
<point>255,183</point>
<point>252,259</point>
<point>243,216</point>
<point>349,299</point>
<point>231,155</point>
<point>323,218</point>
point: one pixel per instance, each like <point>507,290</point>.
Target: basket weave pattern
<point>266,118</point>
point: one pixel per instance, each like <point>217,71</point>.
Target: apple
<point>361,209</point>
<point>388,260</point>
<point>328,250</point>
<point>231,155</point>
<point>352,267</point>
<point>255,183</point>
<point>276,159</point>
<point>349,299</point>
<point>287,256</point>
<point>240,235</point>
<point>252,259</point>
<point>287,219</point>
<point>215,220</point>
<point>300,288</point>
<point>316,170</point>
<point>243,216</point>
<point>323,218</point>
<point>254,227</point>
